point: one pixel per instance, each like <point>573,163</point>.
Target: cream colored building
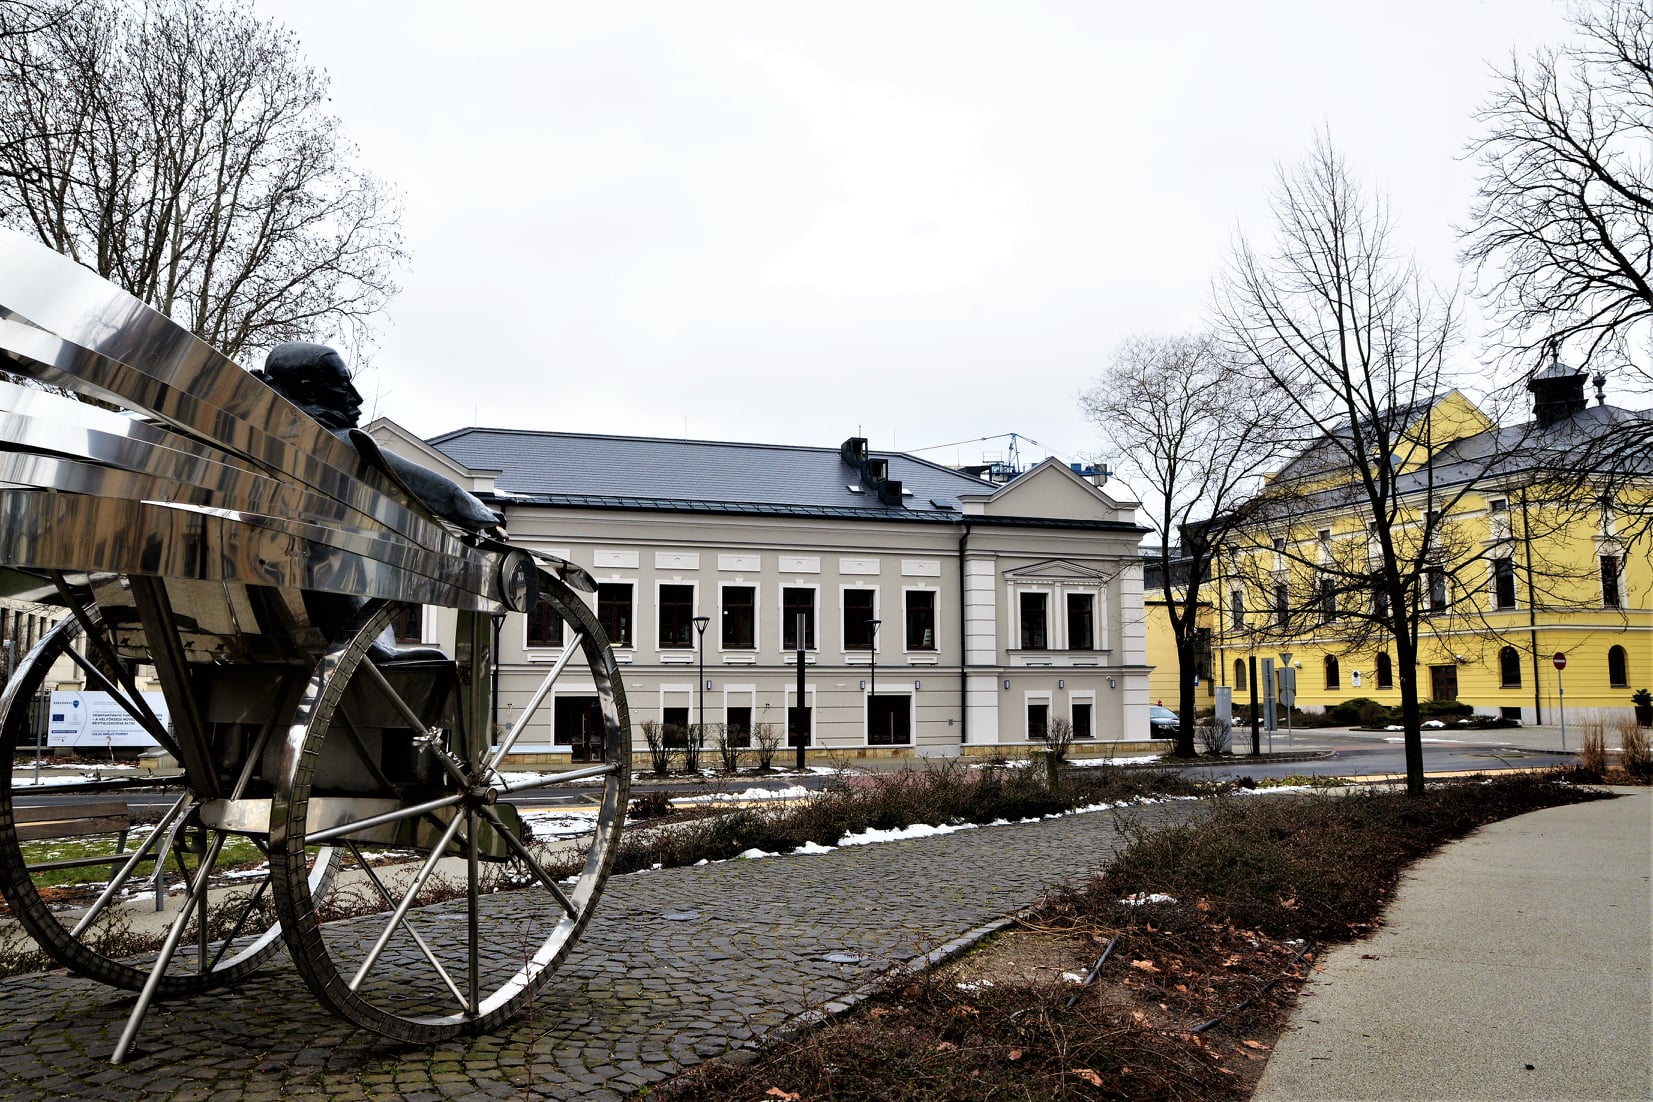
<point>978,611</point>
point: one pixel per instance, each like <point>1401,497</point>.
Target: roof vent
<point>875,470</point>
<point>889,491</point>
<point>854,451</point>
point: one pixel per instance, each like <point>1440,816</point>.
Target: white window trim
<point>1014,643</point>
<point>1099,636</point>
<point>900,689</point>
<point>815,614</point>
<point>635,585</point>
<point>757,618</point>
<point>1086,697</point>
<point>787,693</point>
<point>859,657</point>
<point>935,628</point>
<point>1029,698</point>
<point>694,610</point>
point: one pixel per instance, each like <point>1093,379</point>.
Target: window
<point>860,608</point>
<point>1503,583</point>
<point>795,602</point>
<point>1328,600</point>
<point>921,619</point>
<point>544,626</point>
<point>1334,675</point>
<point>1437,591</point>
<point>1380,598</point>
<point>676,617</point>
<point>614,612</point>
<point>407,624</point>
<point>1325,537</point>
<point>1385,671</point>
<point>1038,719</point>
<point>1618,675</point>
<point>1082,719</point>
<point>1498,505</point>
<point>740,617</point>
<point>1239,675</point>
<point>1610,581</point>
<point>1033,621</point>
<point>1236,609</point>
<point>737,725</point>
<point>1282,603</point>
<point>674,726</point>
<point>1509,668</point>
<point>1081,621</point>
<point>1279,545</point>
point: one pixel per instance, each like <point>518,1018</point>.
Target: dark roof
<point>638,472</point>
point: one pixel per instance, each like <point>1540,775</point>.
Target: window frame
<point>934,596</point>
<point>1090,602</point>
<point>870,646</point>
<point>1085,700</point>
<point>660,621</point>
<point>753,617</point>
<point>1331,672</point>
<point>1612,581</point>
<point>1043,596</point>
<point>1503,584</point>
<point>1509,661</point>
<point>811,624</point>
<point>1618,678</point>
<point>625,639</point>
<point>542,609</point>
<point>1383,671</point>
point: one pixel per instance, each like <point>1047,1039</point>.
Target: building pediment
<point>1057,570</point>
<point>1052,490</point>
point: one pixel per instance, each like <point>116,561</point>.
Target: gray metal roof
<point>582,469</point>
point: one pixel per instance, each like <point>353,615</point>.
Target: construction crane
<point>1008,468</point>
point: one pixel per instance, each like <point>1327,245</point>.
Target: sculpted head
<point>313,377</point>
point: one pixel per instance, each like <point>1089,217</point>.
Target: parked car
<point>1162,722</point>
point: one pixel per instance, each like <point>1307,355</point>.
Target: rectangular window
<point>797,602</point>
<point>1328,600</point>
<point>1610,581</point>
<point>740,617</point>
<point>1033,621</point>
<point>676,617</point>
<point>544,626</point>
<point>1081,621</point>
<point>408,624</point>
<point>614,612</point>
<point>1503,583</point>
<point>1437,589</point>
<point>1038,719</point>
<point>1498,505</point>
<point>860,607</point>
<point>1082,719</point>
<point>1282,603</point>
<point>1236,609</point>
<point>674,725</point>
<point>737,726</point>
<point>921,619</point>
<point>1380,599</point>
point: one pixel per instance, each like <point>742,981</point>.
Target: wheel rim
<point>82,917</point>
<point>449,942</point>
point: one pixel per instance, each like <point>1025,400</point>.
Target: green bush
<point>1352,710</point>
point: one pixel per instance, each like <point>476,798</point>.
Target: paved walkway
<point>1512,965</point>
<point>640,997</point>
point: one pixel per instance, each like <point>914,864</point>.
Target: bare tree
<point>1196,432</point>
<point>1563,225</point>
<point>1359,344</point>
<point>182,150</point>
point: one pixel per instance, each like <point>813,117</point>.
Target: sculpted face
<point>314,378</point>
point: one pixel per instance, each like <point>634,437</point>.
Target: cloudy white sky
<point>924,221</point>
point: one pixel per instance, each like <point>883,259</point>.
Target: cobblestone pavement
<point>640,997</point>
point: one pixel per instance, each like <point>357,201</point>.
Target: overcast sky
<point>926,222</point>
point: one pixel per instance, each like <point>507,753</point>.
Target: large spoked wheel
<point>85,866</point>
<point>448,914</point>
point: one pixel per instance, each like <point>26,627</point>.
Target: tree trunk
<point>1186,662</point>
<point>1406,657</point>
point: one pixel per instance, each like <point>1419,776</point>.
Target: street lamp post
<point>700,623</point>
<point>872,696</point>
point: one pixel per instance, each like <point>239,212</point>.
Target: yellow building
<point>1521,563</point>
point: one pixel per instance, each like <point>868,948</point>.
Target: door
<point>579,726</point>
<point>1443,682</point>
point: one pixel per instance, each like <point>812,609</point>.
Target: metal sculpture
<point>246,554</point>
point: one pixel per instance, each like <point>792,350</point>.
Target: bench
<point>54,821</point>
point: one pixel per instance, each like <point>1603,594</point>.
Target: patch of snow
<point>1073,977</point>
<point>872,836</point>
<point>1124,759</point>
<point>791,792</point>
<point>752,854</point>
<point>1139,898</point>
<point>1445,740</point>
<point>1433,723</point>
<point>978,985</point>
<point>814,847</point>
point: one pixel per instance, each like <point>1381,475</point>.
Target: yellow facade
<point>1489,643</point>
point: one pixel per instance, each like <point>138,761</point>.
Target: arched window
<point>1509,667</point>
<point>1617,672</point>
<point>1334,675</point>
<point>1385,671</point>
<point>1239,675</point>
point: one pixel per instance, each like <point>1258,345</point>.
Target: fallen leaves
<point>784,1096</point>
<point>1088,1075</point>
<point>1145,965</point>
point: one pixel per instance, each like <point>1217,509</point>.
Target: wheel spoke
<point>407,900</point>
<point>125,872</point>
<point>473,903</point>
<point>521,725</point>
<point>546,780</point>
<point>515,846</point>
<point>407,925</point>
<point>409,716</point>
<point>246,913</point>
<point>413,811</point>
